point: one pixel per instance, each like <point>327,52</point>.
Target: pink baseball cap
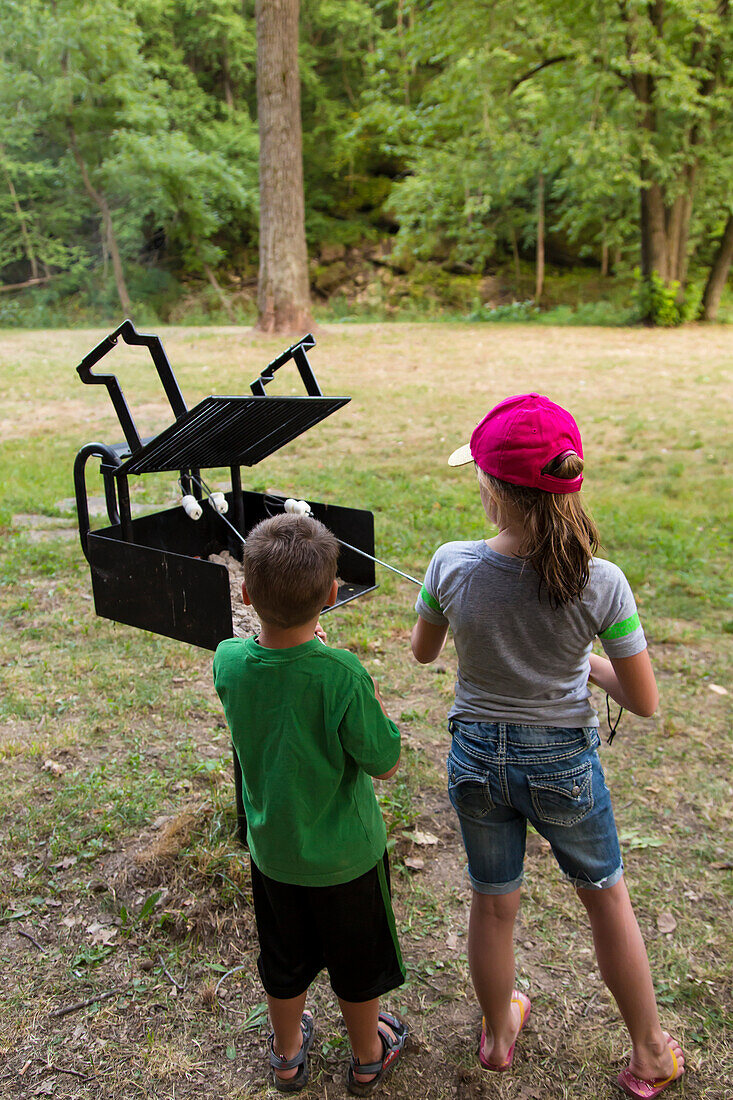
<point>519,438</point>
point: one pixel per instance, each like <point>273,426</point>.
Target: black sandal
<point>392,1048</point>
<point>300,1080</point>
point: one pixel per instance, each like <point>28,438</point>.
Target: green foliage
<point>431,124</point>
<point>660,303</point>
<point>517,312</point>
<point>658,300</point>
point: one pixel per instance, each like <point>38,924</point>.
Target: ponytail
<point>559,538</point>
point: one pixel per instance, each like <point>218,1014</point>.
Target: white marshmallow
<point>192,507</point>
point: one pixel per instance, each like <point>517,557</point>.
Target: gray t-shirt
<point>519,659</point>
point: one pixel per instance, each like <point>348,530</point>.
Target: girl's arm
<point>427,640</point>
<point>628,680</point>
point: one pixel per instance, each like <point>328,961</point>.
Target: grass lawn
<point>127,943</point>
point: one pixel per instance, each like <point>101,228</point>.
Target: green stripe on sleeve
<point>620,630</point>
<point>430,600</point>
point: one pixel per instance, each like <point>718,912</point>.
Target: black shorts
<point>349,929</point>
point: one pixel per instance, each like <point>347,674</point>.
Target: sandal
<point>647,1090</point>
<point>525,1007</point>
<point>391,1050</point>
<point>300,1079</point>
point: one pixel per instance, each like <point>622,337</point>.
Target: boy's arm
<point>390,773</point>
<point>628,680</point>
<point>427,640</point>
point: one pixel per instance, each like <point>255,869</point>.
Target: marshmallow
<point>192,507</point>
<point>297,507</point>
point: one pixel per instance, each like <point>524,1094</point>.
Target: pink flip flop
<point>525,1007</point>
<point>647,1090</point>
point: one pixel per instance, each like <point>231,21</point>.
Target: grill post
<point>237,502</point>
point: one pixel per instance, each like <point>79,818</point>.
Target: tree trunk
<point>653,231</point>
<point>604,254</point>
<point>109,234</point>
<point>221,295</point>
<point>226,77</point>
<point>540,272</point>
<point>517,270</point>
<point>718,273</point>
<point>683,256</point>
<point>283,295</point>
<point>29,251</point>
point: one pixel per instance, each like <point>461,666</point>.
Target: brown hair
<point>289,567</point>
<point>560,538</point>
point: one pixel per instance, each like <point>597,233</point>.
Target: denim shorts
<point>501,776</point>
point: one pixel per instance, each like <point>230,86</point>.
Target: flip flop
<point>391,1050</point>
<point>300,1061</point>
<point>524,1011</point>
<point>647,1090</point>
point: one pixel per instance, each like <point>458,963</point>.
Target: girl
<point>524,608</point>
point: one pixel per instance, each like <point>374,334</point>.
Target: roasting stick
<point>302,508</point>
<point>295,507</point>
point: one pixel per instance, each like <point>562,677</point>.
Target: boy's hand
<point>320,633</point>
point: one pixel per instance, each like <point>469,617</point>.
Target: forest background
<point>460,159</point>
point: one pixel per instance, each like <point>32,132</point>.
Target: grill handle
<point>298,353</point>
<point>165,372</point>
<point>110,462</point>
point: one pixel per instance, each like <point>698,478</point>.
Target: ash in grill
<point>166,571</point>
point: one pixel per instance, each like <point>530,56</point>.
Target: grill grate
<point>230,431</point>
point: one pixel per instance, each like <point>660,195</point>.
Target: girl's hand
<point>320,633</point>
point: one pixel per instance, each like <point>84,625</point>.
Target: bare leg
<point>491,961</point>
<point>361,1018</point>
<point>624,966</point>
<point>285,1016</point>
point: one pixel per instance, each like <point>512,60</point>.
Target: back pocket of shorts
<point>468,790</point>
<point>563,798</point>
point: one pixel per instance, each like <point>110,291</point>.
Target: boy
<point>310,730</point>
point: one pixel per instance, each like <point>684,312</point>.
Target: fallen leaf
<point>19,869</point>
<point>423,839</point>
<point>67,861</point>
<point>54,767</point>
<point>718,689</point>
<point>666,922</point>
<point>104,937</point>
<point>414,863</point>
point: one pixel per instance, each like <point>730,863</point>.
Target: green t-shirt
<point>308,732</point>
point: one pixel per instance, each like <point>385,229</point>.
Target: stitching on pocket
<point>563,798</point>
<point>460,776</point>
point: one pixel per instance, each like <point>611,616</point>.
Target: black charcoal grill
<point>152,572</point>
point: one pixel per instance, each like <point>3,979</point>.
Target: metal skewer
<point>347,545</point>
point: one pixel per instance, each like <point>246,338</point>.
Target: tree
<point>718,273</point>
<point>624,109</point>
<point>283,296</point>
